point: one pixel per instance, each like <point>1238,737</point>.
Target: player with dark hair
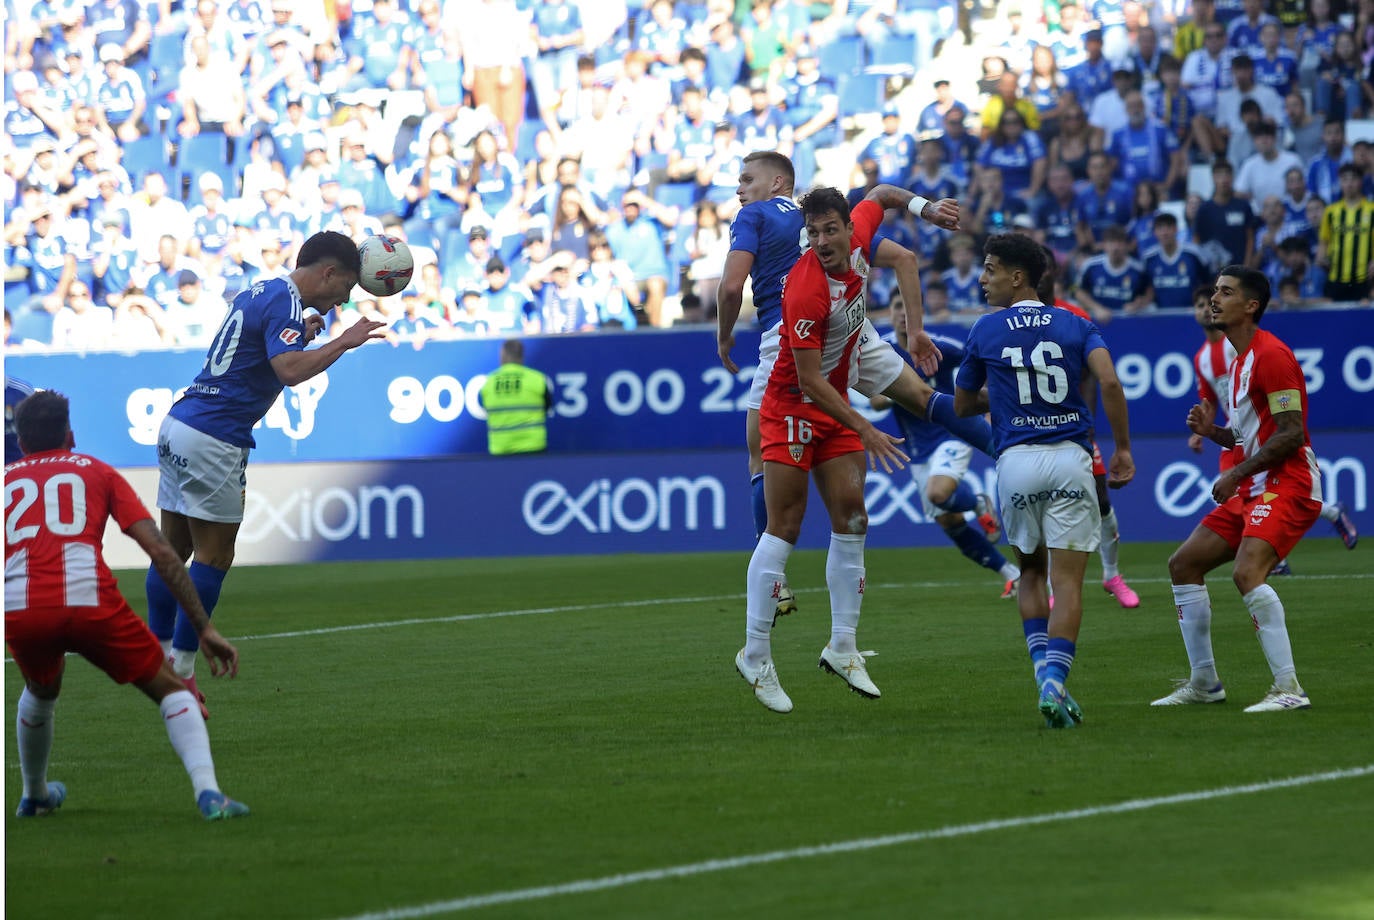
<point>1032,359</point>
<point>61,597</point>
<point>765,242</point>
<point>203,444</point>
<point>807,425</point>
<point>1267,498</point>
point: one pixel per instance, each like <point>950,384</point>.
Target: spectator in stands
<point>193,315</point>
<point>509,306</point>
<point>120,99</point>
<point>1171,106</point>
<point>932,118</point>
<point>961,147</point>
<point>1346,247</point>
<point>1144,59</point>
<point>893,151</point>
<point>1104,202</point>
<point>565,307</point>
<point>27,116</point>
<point>664,35</point>
<point>1075,143</point>
<point>1093,76</point>
<point>1019,155</point>
<point>1206,71</point>
<point>1144,151</point>
<point>992,209</point>
<point>762,126</point>
<point>572,227</point>
<point>1295,201</point>
<point>138,323</point>
<point>353,220</point>
<point>1112,282</point>
<point>531,267</point>
<point>1173,270</point>
<point>50,262</point>
<point>932,179</point>
<point>707,247</point>
<point>494,45</point>
<point>417,321</point>
<point>1303,135</point>
<point>1017,43</point>
<point>963,293</point>
<point>210,93</point>
<point>813,109</point>
<point>934,299</point>
<point>1224,227</point>
<point>81,324</point>
<point>1046,87</point>
<point>718,182</point>
<point>1189,36</point>
<point>361,172</point>
<point>1144,208</point>
<point>1322,170</point>
<point>1008,98</point>
<point>557,34</point>
<point>114,260</point>
<point>765,40</point>
<point>496,187</point>
<point>1295,261</point>
<point>1261,176</point>
<point>1057,216</point>
<point>468,269</point>
<point>438,189</point>
<point>609,286</point>
<point>376,49</point>
<point>1275,66</point>
<point>1271,231</point>
<point>1340,92</point>
<point>637,238</point>
<point>725,58</point>
<point>1229,122</point>
<point>211,225</point>
<point>1066,41</point>
<point>603,143</point>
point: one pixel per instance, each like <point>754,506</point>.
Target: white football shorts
<point>951,458</point>
<point>878,365</point>
<point>200,476</point>
<point>1048,497</point>
<point>768,356</point>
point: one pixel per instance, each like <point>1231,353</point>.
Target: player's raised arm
<point>943,213</point>
<point>906,267</point>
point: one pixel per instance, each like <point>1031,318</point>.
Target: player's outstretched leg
<point>1335,513</point>
<point>844,574</point>
<point>1195,622</point>
<point>34,734</point>
<point>766,577</point>
<point>1266,611</point>
<point>187,733</point>
<point>786,600</point>
<point>1112,581</point>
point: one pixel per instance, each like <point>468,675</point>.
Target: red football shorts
<point>803,436</point>
<point>1279,520</point>
<point>115,640</point>
<point>1099,468</point>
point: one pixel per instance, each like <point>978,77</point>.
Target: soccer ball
<point>386,265</point>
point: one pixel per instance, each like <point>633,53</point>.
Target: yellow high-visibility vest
<point>514,397</point>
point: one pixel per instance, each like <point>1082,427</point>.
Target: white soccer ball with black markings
<point>387,265</point>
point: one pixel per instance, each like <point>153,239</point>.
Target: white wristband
<point>916,205</point>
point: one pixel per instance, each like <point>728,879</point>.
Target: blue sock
<point>974,431</point>
<point>1037,640</point>
<point>962,498</point>
<point>162,607</point>
<point>975,546</point>
<point>760,506</point>
<point>208,581</point>
<point>1058,660</point>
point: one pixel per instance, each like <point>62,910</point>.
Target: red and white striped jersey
<point>56,506</point>
<point>1266,380</point>
<point>1213,366</point>
<point>823,312</point>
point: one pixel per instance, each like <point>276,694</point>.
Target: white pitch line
<point>625,879</point>
<point>656,602</point>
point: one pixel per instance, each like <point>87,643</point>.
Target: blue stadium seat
<point>145,155</point>
<point>862,93</point>
<point>840,56</point>
<point>682,195</point>
<point>895,49</point>
<point>201,154</point>
<point>166,56</point>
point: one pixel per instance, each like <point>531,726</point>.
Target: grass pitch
<point>520,738</point>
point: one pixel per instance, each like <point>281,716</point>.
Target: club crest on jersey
<point>796,451</point>
<point>289,336</point>
<point>803,327</point>
<point>1285,401</point>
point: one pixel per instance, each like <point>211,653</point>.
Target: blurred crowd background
<point>563,166</point>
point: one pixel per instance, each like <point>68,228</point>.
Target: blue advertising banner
<point>647,390</point>
<point>657,502</point>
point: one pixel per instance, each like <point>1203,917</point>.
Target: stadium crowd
<point>560,166</point>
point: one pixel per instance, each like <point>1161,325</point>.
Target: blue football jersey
<point>237,384</point>
<point>772,231</point>
<point>922,437</point>
<point>16,391</point>
<point>1032,358</point>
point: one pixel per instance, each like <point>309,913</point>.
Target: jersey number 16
<point>1051,381</point>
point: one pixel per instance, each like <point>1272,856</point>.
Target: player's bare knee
<point>1249,574</point>
<point>45,691</point>
<point>856,522</point>
<point>161,684</point>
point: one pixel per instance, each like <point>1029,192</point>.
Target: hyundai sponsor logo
<point>631,505</point>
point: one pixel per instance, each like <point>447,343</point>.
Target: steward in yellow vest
<point>518,400</point>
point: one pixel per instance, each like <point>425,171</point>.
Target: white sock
<point>1010,572</point>
<point>1195,622</point>
<point>767,575</point>
<point>184,663</point>
<point>1330,512</point>
<point>166,647</point>
<point>844,576</point>
<point>33,730</point>
<point>1111,543</point>
<point>186,730</point>
<point>1266,612</point>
